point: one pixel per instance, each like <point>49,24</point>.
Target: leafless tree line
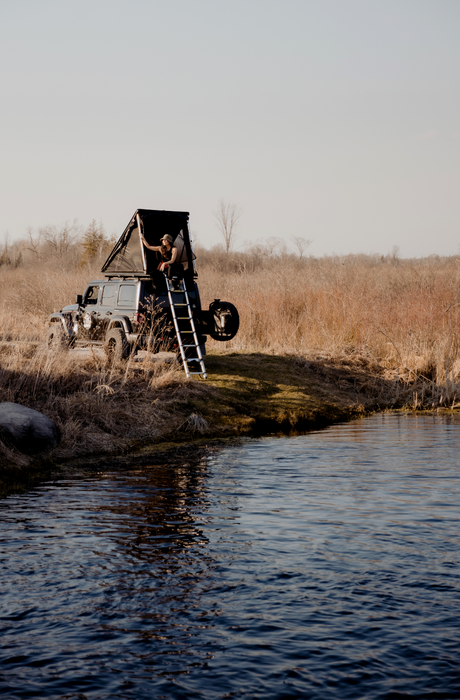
<point>69,245</point>
<point>52,241</point>
<point>228,215</point>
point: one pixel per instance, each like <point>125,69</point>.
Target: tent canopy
<point>131,257</point>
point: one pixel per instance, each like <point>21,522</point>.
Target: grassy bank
<point>131,410</point>
<point>320,340</point>
<point>103,409</point>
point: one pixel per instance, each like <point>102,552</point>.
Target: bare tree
<point>227,215</point>
<point>59,241</point>
<point>273,247</point>
<point>301,244</point>
<point>33,244</point>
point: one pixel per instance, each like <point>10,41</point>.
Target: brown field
<point>400,316</point>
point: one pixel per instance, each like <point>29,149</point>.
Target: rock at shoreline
<point>26,430</point>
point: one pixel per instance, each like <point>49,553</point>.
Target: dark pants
<point>175,270</point>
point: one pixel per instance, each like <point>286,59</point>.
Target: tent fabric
<point>182,255</point>
<point>129,256</point>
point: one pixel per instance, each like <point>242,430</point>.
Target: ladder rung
<point>180,320</point>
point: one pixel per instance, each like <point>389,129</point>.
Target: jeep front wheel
<point>55,338</point>
<point>116,346</point>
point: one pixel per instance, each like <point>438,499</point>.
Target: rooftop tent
<point>130,256</point>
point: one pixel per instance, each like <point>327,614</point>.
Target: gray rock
<point>27,430</point>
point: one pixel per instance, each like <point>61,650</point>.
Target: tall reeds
<point>401,314</point>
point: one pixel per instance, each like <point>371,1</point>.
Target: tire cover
<point>226,321</point>
<point>87,321</point>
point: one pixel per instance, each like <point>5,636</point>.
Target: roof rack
<point>127,275</point>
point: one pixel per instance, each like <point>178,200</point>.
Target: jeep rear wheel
<point>116,346</point>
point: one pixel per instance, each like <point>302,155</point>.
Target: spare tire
<point>226,320</point>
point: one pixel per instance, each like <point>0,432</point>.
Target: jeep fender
<point>120,322</point>
<point>65,320</point>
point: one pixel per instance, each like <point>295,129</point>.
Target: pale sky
<point>336,120</point>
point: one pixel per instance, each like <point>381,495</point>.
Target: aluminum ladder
<point>184,326</point>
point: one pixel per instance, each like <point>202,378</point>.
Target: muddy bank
<point>259,393</point>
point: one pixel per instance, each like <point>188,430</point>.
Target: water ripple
<point>320,566</point>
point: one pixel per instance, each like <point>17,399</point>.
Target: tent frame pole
<point>140,241</point>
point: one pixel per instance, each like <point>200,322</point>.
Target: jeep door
<point>127,304</point>
<point>108,304</point>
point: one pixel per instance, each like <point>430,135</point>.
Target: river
<point>320,566</point>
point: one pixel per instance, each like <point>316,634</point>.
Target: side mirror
<point>79,299</point>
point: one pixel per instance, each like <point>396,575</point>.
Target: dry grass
<point>402,316</point>
<point>30,293</point>
<point>98,408</point>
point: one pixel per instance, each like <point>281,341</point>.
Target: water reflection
<point>160,565</point>
<point>320,566</point>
